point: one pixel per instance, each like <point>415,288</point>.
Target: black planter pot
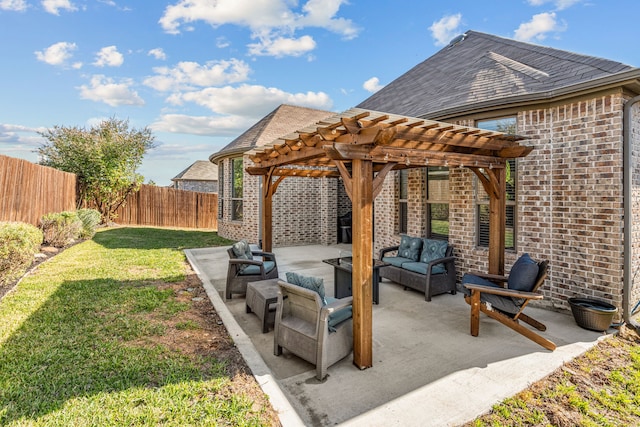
<point>592,314</point>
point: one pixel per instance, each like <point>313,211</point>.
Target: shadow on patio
<point>427,368</point>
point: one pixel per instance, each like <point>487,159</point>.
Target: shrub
<point>90,219</point>
<point>60,229</point>
<point>19,243</point>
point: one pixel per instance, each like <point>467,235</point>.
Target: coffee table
<point>261,299</point>
<point>342,277</point>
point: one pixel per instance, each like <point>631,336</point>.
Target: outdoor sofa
<point>426,265</point>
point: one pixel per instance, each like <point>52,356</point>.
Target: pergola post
<point>497,219</point>
<point>267,213</point>
<point>362,271</point>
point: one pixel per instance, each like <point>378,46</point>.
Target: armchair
<point>504,298</point>
<point>243,268</point>
<point>317,333</point>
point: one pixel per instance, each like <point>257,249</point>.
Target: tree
<point>104,158</point>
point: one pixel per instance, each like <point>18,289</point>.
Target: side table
<point>261,299</point>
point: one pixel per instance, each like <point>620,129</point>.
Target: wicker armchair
<point>320,334</point>
<point>243,269</point>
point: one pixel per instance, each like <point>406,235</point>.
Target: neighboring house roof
<point>478,70</point>
<point>201,170</point>
<point>281,121</point>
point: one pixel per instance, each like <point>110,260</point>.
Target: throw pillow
<point>433,249</point>
<point>410,247</point>
<point>313,283</point>
<point>242,250</point>
<point>523,274</point>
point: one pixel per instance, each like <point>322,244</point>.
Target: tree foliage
<point>105,159</point>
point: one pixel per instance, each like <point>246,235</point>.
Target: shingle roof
<point>481,68</point>
<point>200,170</point>
<point>281,121</point>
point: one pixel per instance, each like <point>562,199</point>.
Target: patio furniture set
<point>319,329</point>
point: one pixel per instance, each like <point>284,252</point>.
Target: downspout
<point>627,184</point>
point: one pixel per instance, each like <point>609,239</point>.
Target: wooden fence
<point>28,191</point>
<point>168,207</point>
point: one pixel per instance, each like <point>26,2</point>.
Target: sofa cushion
<point>421,267</point>
<point>313,283</point>
<point>250,270</point>
<point>242,250</point>
<point>523,274</point>
<point>396,260</point>
<point>410,247</point>
<point>433,249</point>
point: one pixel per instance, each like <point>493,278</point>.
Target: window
<point>507,125</point>
<point>402,201</point>
<point>438,203</point>
<point>221,189</point>
<point>236,189</point>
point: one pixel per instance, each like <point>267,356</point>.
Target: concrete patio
<point>427,369</point>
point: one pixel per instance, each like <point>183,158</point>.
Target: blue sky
<point>200,72</point>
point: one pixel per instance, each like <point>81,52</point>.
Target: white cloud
<point>538,27</point>
<point>57,53</point>
<point>20,141</point>
<point>157,53</point>
<point>282,46</point>
<point>105,89</point>
<point>186,75</point>
<point>109,57</point>
<point>15,5</point>
<point>446,29</point>
<point>202,125</point>
<point>54,6</point>
<point>559,4</point>
<point>372,85</point>
<point>270,21</point>
<point>222,42</point>
<point>250,100</point>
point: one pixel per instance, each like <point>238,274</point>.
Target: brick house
<point>201,176</point>
<point>566,200</point>
<point>309,206</point>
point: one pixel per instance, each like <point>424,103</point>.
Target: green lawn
<point>77,347</point>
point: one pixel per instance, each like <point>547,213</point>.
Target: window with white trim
<point>237,174</point>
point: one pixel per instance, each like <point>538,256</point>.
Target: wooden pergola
<point>362,147</point>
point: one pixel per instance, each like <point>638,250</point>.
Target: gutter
<point>626,165</point>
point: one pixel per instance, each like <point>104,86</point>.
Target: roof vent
<point>457,39</point>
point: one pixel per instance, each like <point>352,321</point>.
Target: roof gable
<point>283,120</point>
<point>200,170</point>
<point>479,68</point>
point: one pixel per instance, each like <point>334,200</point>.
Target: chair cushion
<point>410,247</point>
<point>242,250</point>
<point>433,249</point>
<point>396,260</point>
<point>522,276</point>
<point>250,270</point>
<point>506,304</point>
<point>338,316</point>
<point>421,267</point>
<point>313,283</point>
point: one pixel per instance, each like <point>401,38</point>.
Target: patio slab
<point>427,368</point>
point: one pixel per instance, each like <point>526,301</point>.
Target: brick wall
<point>304,210</point>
